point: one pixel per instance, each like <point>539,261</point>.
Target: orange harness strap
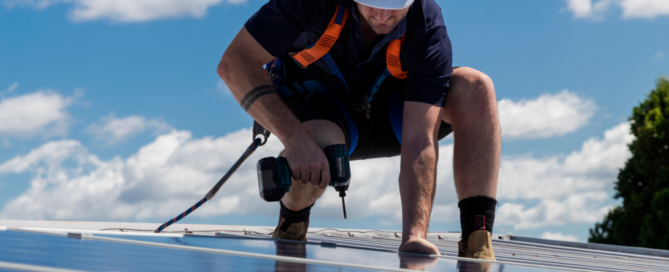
<point>325,42</point>
<point>393,59</point>
<point>310,55</point>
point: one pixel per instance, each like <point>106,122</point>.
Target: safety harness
<point>321,50</point>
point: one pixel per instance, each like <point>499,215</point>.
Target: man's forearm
<point>242,75</point>
<point>417,189</point>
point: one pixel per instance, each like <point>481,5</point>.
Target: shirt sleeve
<point>280,22</point>
<point>429,62</point>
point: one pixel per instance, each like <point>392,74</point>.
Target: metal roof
<point>109,246</point>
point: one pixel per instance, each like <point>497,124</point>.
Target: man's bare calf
<point>471,108</point>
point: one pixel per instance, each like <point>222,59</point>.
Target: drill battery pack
<point>273,178</point>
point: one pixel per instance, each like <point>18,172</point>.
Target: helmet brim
<point>386,4</point>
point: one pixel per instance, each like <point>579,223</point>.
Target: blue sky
<point>112,111</point>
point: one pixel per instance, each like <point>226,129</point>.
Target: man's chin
<point>382,30</point>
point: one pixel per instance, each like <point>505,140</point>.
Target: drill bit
<point>342,194</point>
<point>343,205</point>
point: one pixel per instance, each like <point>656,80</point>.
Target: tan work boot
<point>477,246</point>
<point>291,231</point>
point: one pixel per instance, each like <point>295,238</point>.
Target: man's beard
<point>382,29</point>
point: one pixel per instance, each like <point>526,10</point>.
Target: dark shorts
<point>376,137</point>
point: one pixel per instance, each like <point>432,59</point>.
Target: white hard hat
<point>386,4</point>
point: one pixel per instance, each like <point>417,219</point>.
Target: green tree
<point>643,184</point>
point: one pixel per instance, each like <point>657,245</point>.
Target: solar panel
<point>148,253</point>
<point>128,247</point>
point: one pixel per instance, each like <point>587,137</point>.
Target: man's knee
<point>325,132</point>
<point>472,94</point>
<point>473,82</point>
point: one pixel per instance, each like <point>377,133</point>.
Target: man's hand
<point>307,161</point>
<point>419,245</point>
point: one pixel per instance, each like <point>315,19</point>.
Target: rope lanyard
<point>257,130</point>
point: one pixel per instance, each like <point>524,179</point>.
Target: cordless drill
<point>274,174</point>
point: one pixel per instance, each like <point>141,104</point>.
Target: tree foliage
<point>643,184</point>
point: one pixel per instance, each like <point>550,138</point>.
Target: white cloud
<point>593,168</point>
<point>659,56</point>
<point>546,116</point>
<point>580,8</point>
<point>39,4</point>
<point>39,112</point>
<point>576,208</point>
<point>173,172</point>
<point>630,8</point>
<point>113,130</point>
<point>52,154</point>
<point>11,88</point>
<point>139,10</point>
<point>644,8</point>
<point>559,236</point>
<point>127,10</point>
<point>161,179</point>
<point>571,189</point>
<point>588,9</point>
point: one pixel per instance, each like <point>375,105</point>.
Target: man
<point>373,75</point>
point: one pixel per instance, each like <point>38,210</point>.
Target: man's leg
<point>296,204</point>
<point>471,108</point>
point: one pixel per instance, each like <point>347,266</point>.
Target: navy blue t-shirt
<point>283,26</point>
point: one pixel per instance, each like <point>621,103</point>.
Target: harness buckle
<point>364,106</point>
<point>292,54</point>
<point>367,107</point>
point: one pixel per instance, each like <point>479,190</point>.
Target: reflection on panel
<point>335,254</point>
